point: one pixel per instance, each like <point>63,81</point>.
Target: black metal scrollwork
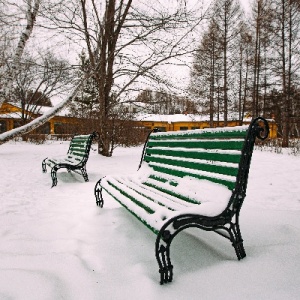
<point>98,194</point>
<point>227,223</point>
<point>262,132</point>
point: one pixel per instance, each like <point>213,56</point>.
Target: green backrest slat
<point>80,147</point>
<point>204,144</point>
<point>195,165</point>
<point>181,173</point>
<point>213,156</point>
<point>235,132</point>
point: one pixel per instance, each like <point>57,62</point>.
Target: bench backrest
<point>220,155</point>
<point>80,146</point>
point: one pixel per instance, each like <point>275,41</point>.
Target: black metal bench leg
<point>54,176</point>
<point>237,241</point>
<point>98,194</point>
<point>84,174</point>
<point>44,168</point>
<point>162,253</point>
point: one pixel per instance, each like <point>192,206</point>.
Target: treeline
<point>162,102</point>
<point>250,63</point>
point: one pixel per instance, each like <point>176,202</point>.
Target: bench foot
<point>237,241</point>
<point>164,261</point>
<point>98,194</point>
<point>54,177</point>
<point>162,253</point>
<point>239,250</point>
<point>84,174</point>
<point>44,168</point>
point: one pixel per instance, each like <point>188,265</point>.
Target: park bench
<point>75,160</point>
<point>196,178</point>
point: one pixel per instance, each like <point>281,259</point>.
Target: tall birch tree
<point>10,68</point>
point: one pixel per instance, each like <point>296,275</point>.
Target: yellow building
<point>190,122</point>
<point>11,117</point>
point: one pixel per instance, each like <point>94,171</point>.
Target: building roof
<point>179,118</point>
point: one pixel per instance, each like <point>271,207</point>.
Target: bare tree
<point>262,23</point>
<point>39,79</point>
<point>217,56</point>
<point>245,52</point>
<point>228,17</point>
<point>205,72</point>
<point>286,35</point>
<point>112,31</point>
<point>124,42</point>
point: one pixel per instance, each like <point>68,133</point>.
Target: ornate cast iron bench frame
<point>208,146</point>
<point>75,160</point>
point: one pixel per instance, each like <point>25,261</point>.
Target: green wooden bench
<point>75,160</point>
<point>195,178</point>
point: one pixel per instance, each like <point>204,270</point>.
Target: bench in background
<point>75,159</point>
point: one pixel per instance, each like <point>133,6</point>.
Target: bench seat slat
<point>136,210</point>
<point>150,213</point>
<point>145,198</point>
<point>163,199</point>
<point>169,189</point>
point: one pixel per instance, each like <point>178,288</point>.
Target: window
<point>3,126</point>
<point>44,129</point>
<point>161,129</point>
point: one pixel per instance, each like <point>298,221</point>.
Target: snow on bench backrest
<point>211,154</point>
<point>80,147</point>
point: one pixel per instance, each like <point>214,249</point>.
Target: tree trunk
<point>10,73</point>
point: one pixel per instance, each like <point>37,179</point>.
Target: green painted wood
<point>146,208</point>
<point>202,134</point>
<point>203,144</point>
<point>172,193</point>
<point>155,231</point>
<point>232,171</point>
<point>180,173</point>
<point>224,157</point>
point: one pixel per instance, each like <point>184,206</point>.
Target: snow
<point>57,244</point>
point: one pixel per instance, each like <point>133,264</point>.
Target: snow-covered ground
<point>57,244</point>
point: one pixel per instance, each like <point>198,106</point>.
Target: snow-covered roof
<point>33,108</point>
<point>178,118</point>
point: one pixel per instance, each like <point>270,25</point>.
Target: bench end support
<point>84,174</point>
<point>44,168</point>
<point>98,194</point>
<point>162,253</point>
<point>54,176</point>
